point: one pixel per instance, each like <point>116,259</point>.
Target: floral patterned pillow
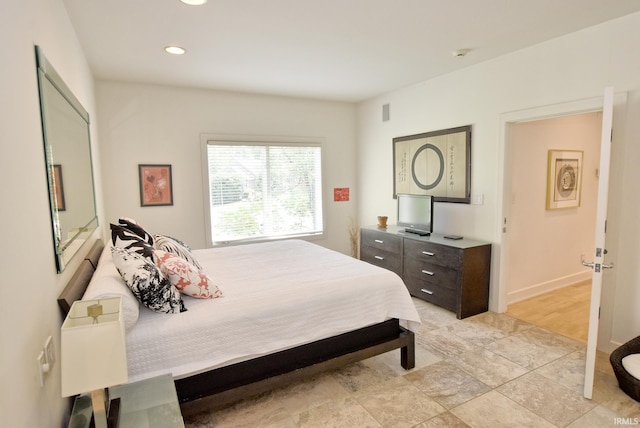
<point>187,278</point>
<point>146,282</point>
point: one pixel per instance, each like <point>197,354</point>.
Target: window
<point>259,190</point>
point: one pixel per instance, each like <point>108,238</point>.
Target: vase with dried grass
<point>353,237</point>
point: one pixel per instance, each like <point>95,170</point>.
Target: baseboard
<point>609,347</point>
<point>545,287</point>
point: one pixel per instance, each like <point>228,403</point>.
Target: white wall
<point>546,245</point>
<point>148,124</point>
<point>574,67</point>
<point>30,284</point>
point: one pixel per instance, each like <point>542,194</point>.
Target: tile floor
<point>490,370</point>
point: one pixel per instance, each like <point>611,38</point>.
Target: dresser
<point>453,274</point>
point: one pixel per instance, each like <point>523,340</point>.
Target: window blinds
<point>264,190</point>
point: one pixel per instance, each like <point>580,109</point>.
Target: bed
<point>290,309</point>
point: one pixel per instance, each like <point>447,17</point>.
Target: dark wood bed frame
<point>225,385</point>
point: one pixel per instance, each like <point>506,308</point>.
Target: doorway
<point>545,282</point>
<point>602,299</point>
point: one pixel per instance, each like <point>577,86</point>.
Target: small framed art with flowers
<point>156,188</point>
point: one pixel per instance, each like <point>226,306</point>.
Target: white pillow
<point>631,364</point>
<point>107,282</point>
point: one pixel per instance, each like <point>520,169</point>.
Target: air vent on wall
<point>386,112</point>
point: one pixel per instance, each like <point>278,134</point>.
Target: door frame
<point>587,105</point>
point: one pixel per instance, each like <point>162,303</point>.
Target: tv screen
<point>415,213</point>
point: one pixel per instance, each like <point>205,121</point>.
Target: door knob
<point>603,265</point>
<point>587,264</point>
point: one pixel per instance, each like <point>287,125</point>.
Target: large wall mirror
<point>67,149</point>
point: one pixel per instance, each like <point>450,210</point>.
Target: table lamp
<point>93,353</point>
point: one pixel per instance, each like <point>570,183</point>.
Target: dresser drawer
<point>436,294</point>
<point>431,273</point>
<point>381,258</point>
<point>432,253</point>
<point>381,240</point>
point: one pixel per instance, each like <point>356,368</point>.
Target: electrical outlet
<point>49,352</point>
<point>45,359</point>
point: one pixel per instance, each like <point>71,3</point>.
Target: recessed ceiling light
<point>194,2</point>
<point>175,50</point>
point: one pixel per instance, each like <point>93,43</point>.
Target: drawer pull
<point>428,253</point>
<point>424,290</point>
<point>379,257</point>
<point>426,272</point>
<point>379,241</point>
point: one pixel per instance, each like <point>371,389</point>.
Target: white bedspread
<point>276,295</point>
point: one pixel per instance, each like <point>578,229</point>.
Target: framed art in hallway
<point>156,188</point>
<point>564,179</point>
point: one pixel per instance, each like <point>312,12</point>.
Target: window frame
<point>206,139</point>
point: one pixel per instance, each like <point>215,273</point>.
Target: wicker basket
<point>629,384</point>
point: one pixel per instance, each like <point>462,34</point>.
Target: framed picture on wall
<point>156,188</point>
<point>436,163</point>
<point>564,179</point>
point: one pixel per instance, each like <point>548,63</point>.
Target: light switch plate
<point>49,352</point>
<point>478,199</point>
<point>40,360</point>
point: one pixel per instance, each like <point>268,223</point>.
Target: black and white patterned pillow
<point>146,282</point>
<point>177,247</point>
<point>123,237</point>
<point>135,227</point>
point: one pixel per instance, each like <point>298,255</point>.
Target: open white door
<point>598,264</point>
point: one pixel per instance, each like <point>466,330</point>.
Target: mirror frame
<point>64,249</point>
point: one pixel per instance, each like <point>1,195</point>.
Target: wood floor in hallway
<point>564,311</point>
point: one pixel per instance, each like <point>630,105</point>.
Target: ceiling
<point>346,50</point>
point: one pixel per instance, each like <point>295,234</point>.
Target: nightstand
<point>149,403</point>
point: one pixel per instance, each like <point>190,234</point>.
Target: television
<point>415,213</point>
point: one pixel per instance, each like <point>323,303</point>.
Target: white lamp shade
<point>93,355</point>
